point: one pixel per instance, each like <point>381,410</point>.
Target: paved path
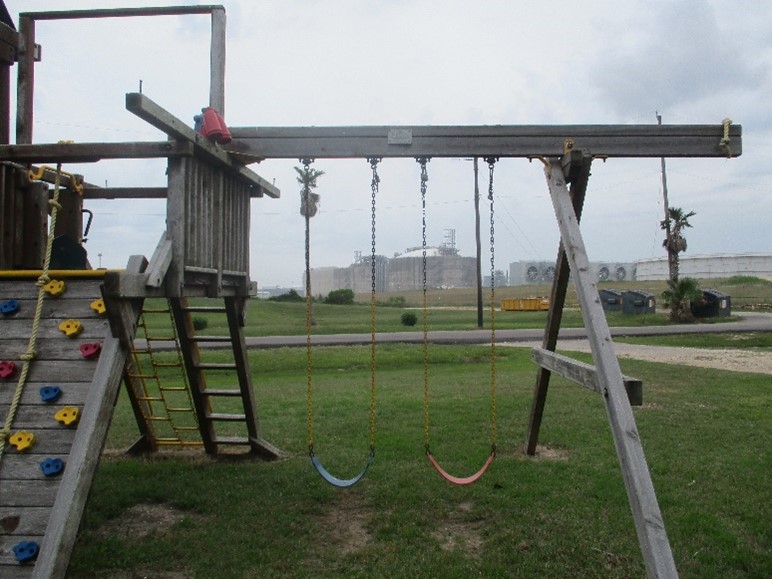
<point>746,322</point>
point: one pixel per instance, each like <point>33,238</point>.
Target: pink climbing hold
<point>7,370</point>
<point>90,350</point>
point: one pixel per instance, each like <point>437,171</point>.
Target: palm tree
<point>675,243</point>
<point>679,297</point>
<point>309,205</point>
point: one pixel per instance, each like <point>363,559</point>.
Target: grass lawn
<point>706,434</point>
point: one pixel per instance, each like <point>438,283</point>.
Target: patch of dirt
<point>459,533</point>
<point>344,526</point>
<point>735,360</point>
<point>544,452</point>
<point>142,520</point>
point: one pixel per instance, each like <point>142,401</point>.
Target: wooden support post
<point>557,300</point>
<point>649,525</point>
<point>25,80</point>
<point>217,61</point>
<point>235,311</point>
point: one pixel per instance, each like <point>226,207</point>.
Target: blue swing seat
<point>338,482</point>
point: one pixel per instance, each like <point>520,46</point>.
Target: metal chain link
<point>424,303</point>
<point>374,186</point>
<point>491,163</point>
<point>309,350</point>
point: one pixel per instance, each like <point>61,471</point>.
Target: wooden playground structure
<point>204,253</point>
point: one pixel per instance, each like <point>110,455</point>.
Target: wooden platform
<point>34,507</point>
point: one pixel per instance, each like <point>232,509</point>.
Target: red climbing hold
<point>7,370</point>
<point>90,350</point>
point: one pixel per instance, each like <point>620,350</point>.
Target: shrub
<point>343,297</point>
<point>290,296</point>
<point>200,323</point>
<point>409,319</point>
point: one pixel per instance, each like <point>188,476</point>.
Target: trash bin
<point>715,304</point>
<point>611,300</point>
<point>638,302</point>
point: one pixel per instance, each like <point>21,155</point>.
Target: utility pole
<point>479,248</point>
<point>668,234</point>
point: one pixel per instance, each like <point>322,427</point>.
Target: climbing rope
<point>31,353</point>
<point>333,480</point>
<point>727,122</point>
<point>425,317</point>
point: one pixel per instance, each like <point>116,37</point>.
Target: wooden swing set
<point>205,252</point>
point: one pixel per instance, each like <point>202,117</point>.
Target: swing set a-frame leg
<point>557,301</point>
<point>649,525</point>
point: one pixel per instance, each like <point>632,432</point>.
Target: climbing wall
<point>61,421</point>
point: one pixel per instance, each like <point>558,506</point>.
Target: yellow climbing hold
<point>22,440</point>
<point>71,328</point>
<point>99,306</point>
<point>55,287</point>
<point>67,415</point>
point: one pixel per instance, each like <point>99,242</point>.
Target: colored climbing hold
<point>52,466</point>
<point>67,415</point>
<point>22,440</point>
<point>71,328</point>
<point>9,307</point>
<point>7,370</point>
<point>99,306</point>
<point>50,394</point>
<point>55,287</point>
<point>90,350</point>
<point>26,551</point>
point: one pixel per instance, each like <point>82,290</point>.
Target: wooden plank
<point>23,521</point>
<point>159,262</point>
<point>93,329</point>
<point>93,152</point>
<point>557,299</point>
<point>24,467</point>
<point>121,12</point>
<point>73,393</point>
<point>124,192</point>
<point>649,524</point>
<point>149,111</point>
<point>25,80</point>
<point>584,374</point>
<point>48,349</point>
<point>259,143</point>
<point>29,493</point>
<point>86,451</point>
<point>36,417</point>
<point>48,441</point>
<point>9,567</point>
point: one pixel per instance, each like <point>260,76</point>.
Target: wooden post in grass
<point>649,525</point>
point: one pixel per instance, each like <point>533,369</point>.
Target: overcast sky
<point>423,62</point>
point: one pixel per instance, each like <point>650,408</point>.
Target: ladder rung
<point>155,310</point>
<point>221,392</point>
<point>150,398</point>
<point>205,366</point>
<point>167,364</point>
<point>204,309</point>
<point>172,388</point>
<point>227,417</point>
<point>179,409</point>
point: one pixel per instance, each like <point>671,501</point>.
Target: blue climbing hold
<point>26,551</point>
<point>9,307</point>
<point>52,466</point>
<point>50,393</point>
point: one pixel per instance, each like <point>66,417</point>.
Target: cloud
<point>675,54</point>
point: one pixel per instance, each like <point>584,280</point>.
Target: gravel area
<point>736,360</point>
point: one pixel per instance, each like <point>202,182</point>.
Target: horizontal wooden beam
<point>120,12</point>
<point>94,192</point>
<point>257,143</point>
<point>583,374</point>
<point>93,152</point>
<point>149,111</point>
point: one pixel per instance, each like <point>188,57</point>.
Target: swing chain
<point>422,161</point>
<point>374,186</point>
<point>491,163</point>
